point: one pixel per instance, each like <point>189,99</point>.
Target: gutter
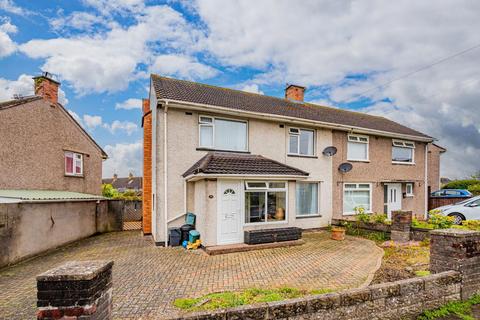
<point>165,172</point>
<point>205,107</point>
<point>196,177</point>
<point>426,181</point>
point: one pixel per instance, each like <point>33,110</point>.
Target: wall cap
<point>457,233</point>
<point>76,270</point>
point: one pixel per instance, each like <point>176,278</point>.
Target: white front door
<point>229,212</point>
<point>394,198</point>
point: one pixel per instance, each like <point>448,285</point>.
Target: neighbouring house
<point>42,147</point>
<point>122,184</point>
<point>243,161</point>
<point>434,153</point>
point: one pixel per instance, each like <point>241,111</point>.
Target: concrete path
<point>147,279</point>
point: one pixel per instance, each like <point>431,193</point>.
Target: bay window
<point>301,142</point>
<point>357,148</point>
<point>73,163</point>
<point>265,202</point>
<point>403,151</point>
<point>222,134</point>
<point>356,195</point>
<point>307,199</point>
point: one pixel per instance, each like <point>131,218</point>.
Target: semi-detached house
<point>243,161</point>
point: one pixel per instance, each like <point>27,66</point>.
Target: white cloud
<point>23,86</point>
<point>7,46</point>
<point>182,67</point>
<point>129,104</point>
<point>10,7</point>
<point>108,7</point>
<point>123,159</point>
<point>108,61</point>
<point>91,122</point>
<point>78,20</point>
<point>126,126</point>
<point>253,88</point>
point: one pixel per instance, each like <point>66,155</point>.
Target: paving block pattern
<point>146,278</point>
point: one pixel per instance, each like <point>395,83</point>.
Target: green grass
<point>422,273</point>
<point>461,309</point>
<point>231,299</point>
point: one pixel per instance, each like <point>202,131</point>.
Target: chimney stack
<point>115,177</point>
<point>145,105</point>
<point>46,87</point>
<point>294,92</point>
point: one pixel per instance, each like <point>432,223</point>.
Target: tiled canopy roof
<point>222,163</point>
<point>167,88</point>
<point>47,195</point>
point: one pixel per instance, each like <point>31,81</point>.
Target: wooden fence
<point>435,202</point>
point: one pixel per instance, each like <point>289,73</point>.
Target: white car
<point>468,209</point>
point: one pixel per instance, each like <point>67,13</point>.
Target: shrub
<point>363,217</point>
<point>461,184</point>
<point>379,218</point>
<point>471,224</point>
<point>440,221</point>
<point>108,191</point>
<point>474,189</point>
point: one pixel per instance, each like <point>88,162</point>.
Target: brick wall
<point>76,290</point>
<point>147,168</point>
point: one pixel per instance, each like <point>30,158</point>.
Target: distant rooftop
<point>15,196</point>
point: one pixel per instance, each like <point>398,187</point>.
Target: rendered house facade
<point>42,147</point>
<point>243,161</point>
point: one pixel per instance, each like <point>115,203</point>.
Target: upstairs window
<point>222,134</point>
<point>403,151</point>
<point>301,142</point>
<point>73,163</point>
<point>357,148</point>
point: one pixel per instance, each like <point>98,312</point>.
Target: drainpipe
<point>426,181</point>
<point>165,172</point>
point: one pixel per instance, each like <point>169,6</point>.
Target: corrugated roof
<point>181,90</point>
<point>222,163</point>
<point>46,195</point>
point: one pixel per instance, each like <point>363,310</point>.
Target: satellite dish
<point>345,167</point>
<point>329,151</point>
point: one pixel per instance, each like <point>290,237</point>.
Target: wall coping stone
<point>457,233</point>
<point>76,270</point>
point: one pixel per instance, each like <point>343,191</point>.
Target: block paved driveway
<point>147,279</point>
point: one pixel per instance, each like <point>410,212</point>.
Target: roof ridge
<point>304,103</point>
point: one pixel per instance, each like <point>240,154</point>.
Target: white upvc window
<point>357,148</point>
<point>73,163</point>
<point>301,142</point>
<point>265,202</point>
<point>357,195</point>
<point>403,152</point>
<point>409,189</point>
<point>307,203</point>
<point>222,134</point>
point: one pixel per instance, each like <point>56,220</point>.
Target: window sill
<point>265,223</point>
<point>309,216</point>
<point>220,150</point>
<point>301,156</point>
<point>353,160</point>
<point>404,163</point>
<point>74,175</point>
<point>409,196</point>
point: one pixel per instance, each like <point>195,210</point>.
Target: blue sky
<point>103,52</point>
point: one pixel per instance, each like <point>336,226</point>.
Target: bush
<point>363,217</point>
<point>474,189</point>
<point>471,224</point>
<point>379,218</point>
<point>440,221</point>
<point>461,184</point>
<point>108,191</point>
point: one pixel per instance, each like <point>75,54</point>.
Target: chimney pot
<point>294,92</point>
<point>46,87</point>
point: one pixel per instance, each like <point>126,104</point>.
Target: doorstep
<point>243,247</point>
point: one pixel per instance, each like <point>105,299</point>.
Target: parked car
<point>468,209</point>
<point>451,193</point>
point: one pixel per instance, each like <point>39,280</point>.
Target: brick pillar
<point>401,225</point>
<point>76,290</point>
<point>147,168</point>
<point>459,250</point>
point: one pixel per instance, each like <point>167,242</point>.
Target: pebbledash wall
<point>27,229</point>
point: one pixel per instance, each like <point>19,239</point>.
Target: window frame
<point>317,214</point>
<point>298,154</point>
<point>406,145</point>
<point>358,136</point>
<point>74,159</point>
<point>265,190</point>
<point>361,189</point>
<point>212,124</point>
<point>407,193</point>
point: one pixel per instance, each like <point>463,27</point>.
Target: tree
<point>108,191</point>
